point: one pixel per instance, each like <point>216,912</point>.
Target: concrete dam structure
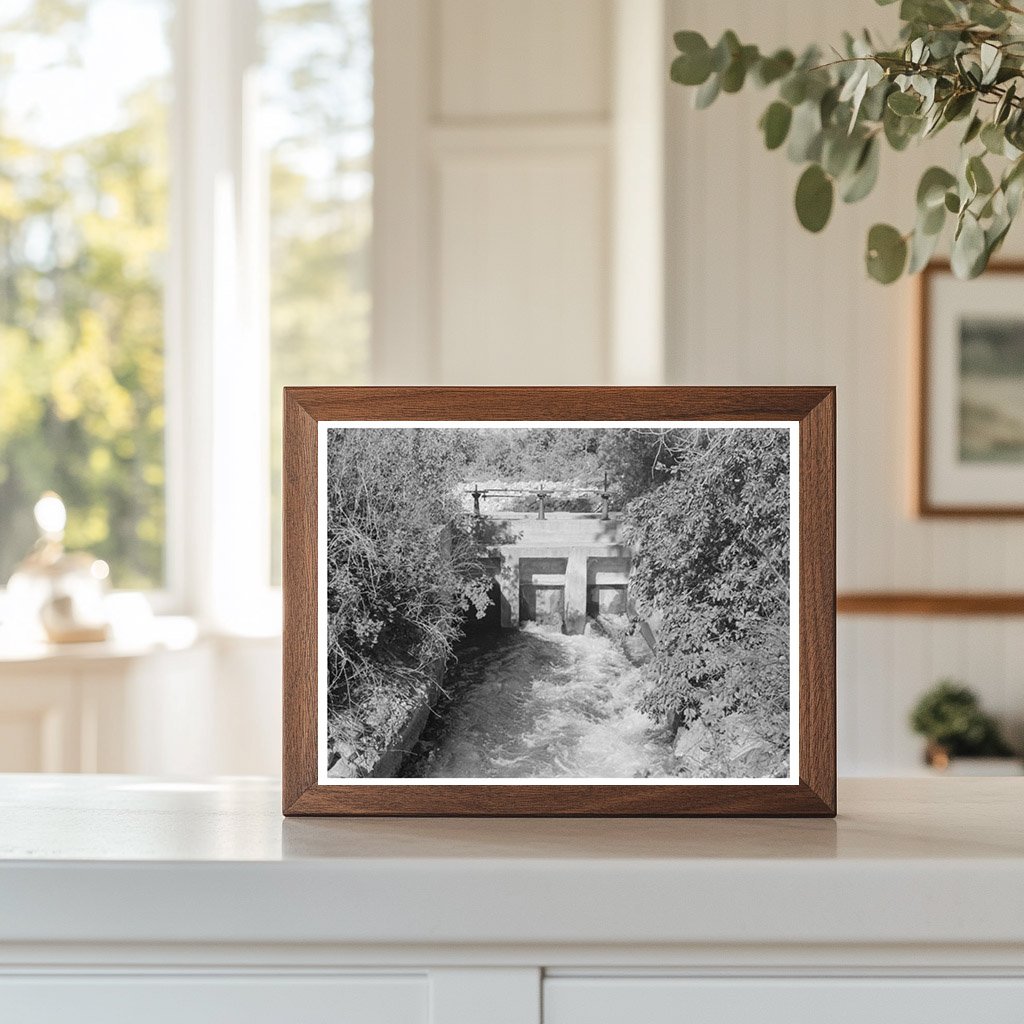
<point>565,566</point>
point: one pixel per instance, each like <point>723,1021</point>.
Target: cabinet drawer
<point>202,999</point>
<point>660,1000</point>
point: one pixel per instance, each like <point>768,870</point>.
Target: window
<point>317,116</point>
<point>185,221</point>
<point>83,235</point>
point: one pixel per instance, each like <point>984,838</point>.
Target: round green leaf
<point>794,89</point>
<point>968,256</point>
<point>903,103</point>
<point>865,173</point>
<point>993,138</point>
<point>932,220</point>
<point>973,130</point>
<point>958,106</point>
<point>735,74</point>
<point>978,176</point>
<point>952,202</point>
<point>805,133</point>
<point>922,248</point>
<point>887,253</point>
<point>693,65</point>
<point>814,195</point>
<point>775,123</point>
<point>725,49</point>
<point>707,93</point>
<point>900,130</point>
<point>770,69</point>
<point>932,189</point>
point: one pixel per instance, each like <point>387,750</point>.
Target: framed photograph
<point>559,601</point>
<point>970,450</point>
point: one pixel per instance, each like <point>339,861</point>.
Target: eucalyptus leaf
<point>814,196</point>
<point>991,60</point>
<point>993,138</point>
<point>922,248</point>
<point>794,88</point>
<point>900,130</point>
<point>955,60</point>
<point>968,247</point>
<point>724,51</point>
<point>987,15</point>
<point>775,124</point>
<point>840,152</point>
<point>707,93</point>
<point>735,74</point>
<point>1005,105</point>
<point>805,133</point>
<point>931,190</point>
<point>958,105</point>
<point>691,70</point>
<point>886,253</point>
<point>865,173</point>
<point>903,103</point>
<point>973,130</point>
<point>978,176</point>
<point>932,221</point>
<point>771,69</point>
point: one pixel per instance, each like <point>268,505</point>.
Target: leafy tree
<point>534,453</point>
<point>318,106</point>
<point>957,61</point>
<point>712,565</point>
<point>950,716</point>
<point>402,574</point>
<point>82,228</point>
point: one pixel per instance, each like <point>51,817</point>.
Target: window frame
<point>217,350</point>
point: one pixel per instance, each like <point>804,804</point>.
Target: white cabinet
<point>202,999</point>
<point>667,1000</point>
<point>128,899</point>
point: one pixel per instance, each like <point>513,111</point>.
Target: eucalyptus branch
<point>955,61</point>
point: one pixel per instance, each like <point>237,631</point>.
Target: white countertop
<point>123,859</point>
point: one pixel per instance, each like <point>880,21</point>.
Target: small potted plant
<point>950,717</point>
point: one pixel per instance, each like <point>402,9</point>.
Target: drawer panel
<point>202,999</point>
<point>782,1001</point>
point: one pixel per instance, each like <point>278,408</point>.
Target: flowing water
<point>535,703</point>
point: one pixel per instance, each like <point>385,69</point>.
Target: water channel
<point>536,703</point>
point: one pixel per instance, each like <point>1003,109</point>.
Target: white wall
<point>500,205</point>
<point>754,299</point>
<point>520,217</point>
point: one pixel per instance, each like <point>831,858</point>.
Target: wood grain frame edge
<point>815,796</point>
<point>922,504</point>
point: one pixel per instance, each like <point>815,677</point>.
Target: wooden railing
<point>542,496</point>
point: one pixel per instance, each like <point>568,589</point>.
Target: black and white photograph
<point>544,602</point>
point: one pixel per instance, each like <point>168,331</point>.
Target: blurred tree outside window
<point>83,237</point>
<point>317,122</point>
<point>85,165</point>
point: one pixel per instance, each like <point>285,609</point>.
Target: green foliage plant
<point>957,62</point>
<point>950,717</point>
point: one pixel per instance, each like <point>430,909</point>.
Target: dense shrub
<point>401,576</point>
<point>951,717</point>
<point>711,543</point>
<point>533,453</point>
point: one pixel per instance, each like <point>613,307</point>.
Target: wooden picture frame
<point>946,485</point>
<point>809,415</point>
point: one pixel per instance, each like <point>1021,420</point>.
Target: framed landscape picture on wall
<point>575,601</point>
<point>970,450</point>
